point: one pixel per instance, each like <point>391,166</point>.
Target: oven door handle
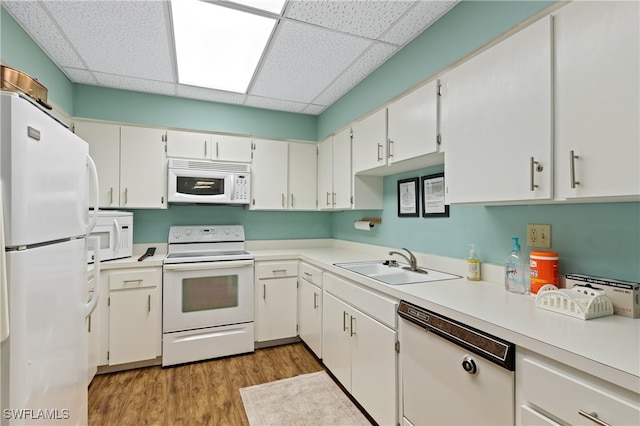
<point>208,265</point>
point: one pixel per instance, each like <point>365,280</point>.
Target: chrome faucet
<point>413,263</point>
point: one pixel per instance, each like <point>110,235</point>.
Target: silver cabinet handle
<point>217,149</point>
<point>315,300</point>
<point>352,326</point>
<point>534,166</point>
<point>278,271</point>
<point>390,154</point>
<point>328,202</point>
<point>379,152</point>
<point>593,417</point>
<point>149,303</point>
<point>111,195</point>
<point>572,167</point>
<point>264,291</point>
<point>282,201</point>
<point>334,199</point>
<point>131,281</point>
<point>205,149</point>
<point>344,320</point>
<point>126,195</point>
<point>307,274</point>
<point>292,200</point>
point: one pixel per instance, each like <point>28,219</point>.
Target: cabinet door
<point>104,148</point>
<point>374,382</point>
<point>188,145</point>
<point>269,175</point>
<point>499,121</point>
<point>143,168</point>
<point>413,124</point>
<point>277,303</point>
<point>597,104</point>
<point>342,178</point>
<point>231,148</point>
<point>133,325</point>
<point>310,316</point>
<point>370,142</point>
<point>325,174</point>
<point>336,345</point>
<point>303,175</point>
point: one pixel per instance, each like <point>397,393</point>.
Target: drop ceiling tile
<point>368,62</point>
<point>364,18</point>
<point>119,37</point>
<point>277,104</point>
<point>37,23</point>
<point>303,60</point>
<point>80,76</point>
<point>135,84</point>
<point>423,14</point>
<point>212,95</point>
<point>314,109</point>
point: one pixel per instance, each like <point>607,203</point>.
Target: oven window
<point>208,293</point>
<point>200,186</point>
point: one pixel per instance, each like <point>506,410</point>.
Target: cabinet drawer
<point>563,392</point>
<point>376,305</point>
<point>276,269</point>
<point>135,278</point>
<point>311,274</point>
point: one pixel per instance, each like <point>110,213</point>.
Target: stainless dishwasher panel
<point>444,383</point>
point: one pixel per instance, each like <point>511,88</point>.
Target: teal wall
<point>18,51</point>
<point>600,239</point>
<point>158,110</point>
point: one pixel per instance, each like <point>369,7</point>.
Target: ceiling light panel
<point>218,47</point>
<point>420,18</point>
<point>361,17</point>
<point>43,31</point>
<point>127,38</point>
<point>290,73</point>
<point>273,6</point>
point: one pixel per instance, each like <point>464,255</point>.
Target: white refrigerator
<point>45,172</point>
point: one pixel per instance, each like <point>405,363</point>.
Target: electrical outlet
<point>539,235</point>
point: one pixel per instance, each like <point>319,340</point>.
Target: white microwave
<point>208,182</point>
<point>114,229</point>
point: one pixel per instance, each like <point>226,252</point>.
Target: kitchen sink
<point>393,273</point>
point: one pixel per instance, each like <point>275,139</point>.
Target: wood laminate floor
<point>199,393</point>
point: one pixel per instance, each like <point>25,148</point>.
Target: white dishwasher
<point>453,374</point>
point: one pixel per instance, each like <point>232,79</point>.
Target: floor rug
<point>307,399</point>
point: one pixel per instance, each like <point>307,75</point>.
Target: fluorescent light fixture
<point>216,46</point>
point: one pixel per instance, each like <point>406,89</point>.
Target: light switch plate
<point>539,235</point>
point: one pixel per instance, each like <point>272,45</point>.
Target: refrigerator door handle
<point>4,294</point>
<point>91,305</point>
<point>96,193</point>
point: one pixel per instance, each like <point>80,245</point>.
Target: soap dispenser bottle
<point>514,268</point>
<point>473,265</point>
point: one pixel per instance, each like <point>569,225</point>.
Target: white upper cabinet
<point>342,175</point>
<point>370,142</point>
<point>231,148</point>
<point>325,174</point>
<point>188,145</point>
<point>303,175</point>
<point>269,175</point>
<point>597,127</point>
<point>104,148</point>
<point>499,117</point>
<point>131,164</point>
<point>413,124</point>
<point>143,167</point>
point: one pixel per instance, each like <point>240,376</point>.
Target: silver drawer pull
<point>572,168</point>
<point>315,300</point>
<point>148,303</point>
<point>344,320</point>
<point>126,282</point>
<point>308,274</point>
<point>593,417</point>
<point>279,271</point>
<point>352,325</point>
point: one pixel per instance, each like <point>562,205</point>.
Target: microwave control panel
<point>241,185</point>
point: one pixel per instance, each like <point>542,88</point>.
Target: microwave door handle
<point>96,192</point>
<point>118,235</point>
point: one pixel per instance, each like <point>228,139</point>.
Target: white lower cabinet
<point>276,296</point>
<point>550,393</point>
<point>360,352</point>
<point>310,307</point>
<point>130,315</point>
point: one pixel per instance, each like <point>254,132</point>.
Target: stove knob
<point>469,365</point>
<point>176,234</point>
<point>227,231</point>
<point>188,232</point>
<point>237,233</point>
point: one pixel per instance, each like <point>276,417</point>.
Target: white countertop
<point>607,347</point>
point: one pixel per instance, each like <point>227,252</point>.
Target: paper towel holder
<point>374,220</point>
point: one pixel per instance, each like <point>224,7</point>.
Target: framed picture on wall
<point>433,204</point>
<point>408,197</point>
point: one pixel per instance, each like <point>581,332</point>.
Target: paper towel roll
<point>363,225</point>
